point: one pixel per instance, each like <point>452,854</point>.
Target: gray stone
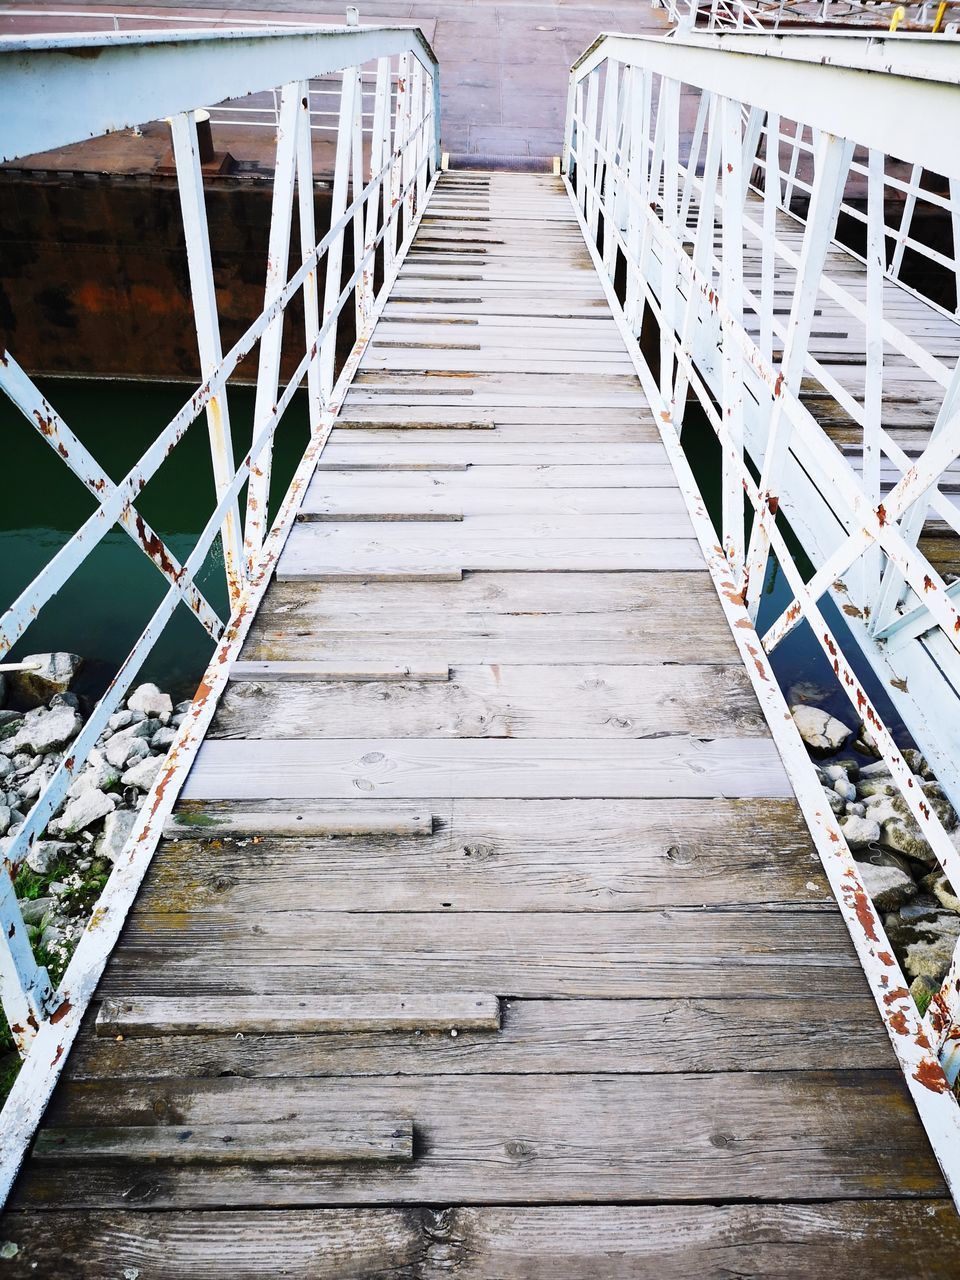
<point>855,809</point>
<point>834,801</point>
<point>6,817</point>
<point>845,790</point>
<point>116,831</point>
<point>44,731</point>
<point>938,802</point>
<point>83,812</point>
<point>888,887</point>
<point>917,762</point>
<point>123,745</point>
<point>865,743</point>
<point>47,853</point>
<point>923,907</point>
<point>51,935</point>
<point>149,699</point>
<point>31,787</point>
<point>10,722</point>
<point>142,775</point>
<point>6,767</point>
<point>183,707</point>
<point>877,787</point>
<point>65,700</point>
<point>162,740</point>
<point>822,732</point>
<point>52,673</point>
<point>931,959</point>
<point>859,832</point>
<point>34,909</point>
<point>122,719</point>
<point>98,773</point>
<point>879,769</point>
<point>139,751</point>
<point>905,836</point>
<point>942,890</point>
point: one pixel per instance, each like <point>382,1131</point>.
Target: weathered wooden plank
<point>536,1037</point>
<point>303,821</point>
<point>415,768</point>
<point>497,618</point>
<point>496,476</point>
<point>367,1138</point>
<point>606,1242</point>
<point>517,855</point>
<point>481,453</point>
<point>772,1136</point>
<point>495,702</point>
<point>349,497</point>
<point>546,955</point>
<point>171,1016</point>
<point>266,672</point>
<point>480,531</point>
<point>323,551</point>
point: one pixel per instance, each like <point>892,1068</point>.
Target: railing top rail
<point>915,55</point>
<point>50,96</point>
<point>828,80</point>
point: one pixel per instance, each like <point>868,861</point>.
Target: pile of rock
<point>92,826</point>
<point>920,909</point>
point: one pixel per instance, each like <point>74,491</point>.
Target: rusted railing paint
<point>686,273</point>
<point>45,1020</point>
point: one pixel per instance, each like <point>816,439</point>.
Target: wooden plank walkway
<point>487,939</point>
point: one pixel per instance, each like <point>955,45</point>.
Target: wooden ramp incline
<point>487,939</point>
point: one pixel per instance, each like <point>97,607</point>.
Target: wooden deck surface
<point>487,940</point>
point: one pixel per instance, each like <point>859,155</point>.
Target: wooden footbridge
<point>497,930</point>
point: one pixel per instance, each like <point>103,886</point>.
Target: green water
<point>102,609</point>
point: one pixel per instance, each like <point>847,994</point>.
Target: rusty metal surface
<point>682,229</point>
<point>44,1021</point>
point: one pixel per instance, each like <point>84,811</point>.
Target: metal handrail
<point>378,196</point>
<point>930,16</point>
<point>676,229</point>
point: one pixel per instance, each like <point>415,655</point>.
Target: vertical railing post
<point>873,374</point>
<point>356,190</point>
<point>379,150</point>
<point>637,225</point>
<point>338,204</point>
<point>670,111</point>
<point>186,152</point>
<point>733,160</point>
<point>703,256</point>
<point>830,174</point>
<point>420,147</point>
<point>588,149</point>
<point>768,249</point>
<point>404,118</point>
<point>278,258</point>
<point>308,241</point>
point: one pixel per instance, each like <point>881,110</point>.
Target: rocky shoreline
<point>919,907</point>
<point>65,871</point>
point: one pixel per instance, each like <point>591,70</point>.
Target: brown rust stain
<point>930,1075</point>
<point>863,908</point>
<point>60,1012</point>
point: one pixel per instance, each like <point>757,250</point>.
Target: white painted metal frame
<point>722,339</point>
<point>120,75</point>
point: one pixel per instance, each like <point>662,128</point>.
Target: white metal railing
<point>713,248</point>
<point>52,98</point>
<point>934,16</point>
